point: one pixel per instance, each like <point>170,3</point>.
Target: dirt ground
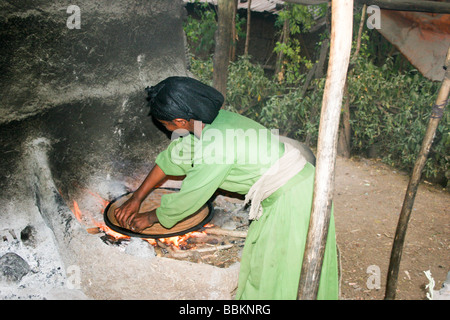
<point>368,199</point>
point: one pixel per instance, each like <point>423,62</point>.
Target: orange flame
<point>77,212</point>
<point>179,240</point>
<point>101,225</point>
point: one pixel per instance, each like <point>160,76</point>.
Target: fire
<point>180,241</point>
<point>177,242</point>
<point>77,212</point>
<point>110,232</point>
<point>100,225</point>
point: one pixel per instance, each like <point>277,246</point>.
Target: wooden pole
<point>397,247</point>
<point>317,70</point>
<point>249,17</point>
<point>340,47</point>
<point>360,31</point>
<point>224,40</point>
<point>284,39</point>
<point>234,36</point>
<point>344,140</point>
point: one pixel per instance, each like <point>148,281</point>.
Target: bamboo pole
<point>405,214</point>
<point>341,42</point>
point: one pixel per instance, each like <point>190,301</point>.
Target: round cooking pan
<point>153,200</point>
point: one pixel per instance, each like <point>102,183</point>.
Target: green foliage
<point>248,88</point>
<point>300,19</point>
<point>200,32</point>
<point>202,68</point>
<point>389,108</point>
<point>293,61</point>
<point>293,114</point>
<point>241,27</point>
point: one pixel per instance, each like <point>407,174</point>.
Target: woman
<point>228,151</point>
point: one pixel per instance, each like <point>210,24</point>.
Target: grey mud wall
<point>73,122</point>
<point>56,53</point>
<point>76,75</point>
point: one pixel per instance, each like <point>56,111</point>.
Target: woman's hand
<point>143,220</point>
<point>126,212</point>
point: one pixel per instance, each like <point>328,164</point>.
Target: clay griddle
<point>153,200</point>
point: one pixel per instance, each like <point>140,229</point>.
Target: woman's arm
<point>126,212</point>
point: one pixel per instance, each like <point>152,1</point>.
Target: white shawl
<point>286,167</point>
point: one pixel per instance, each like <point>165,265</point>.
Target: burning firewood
<point>229,233</point>
<point>162,245</point>
<point>94,230</point>
<point>194,252</point>
<point>204,239</point>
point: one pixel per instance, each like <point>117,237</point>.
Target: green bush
<point>202,69</point>
<point>200,32</point>
<point>388,109</point>
<point>392,110</point>
<point>294,115</point>
<point>248,88</point>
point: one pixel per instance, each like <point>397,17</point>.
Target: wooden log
<point>203,240</point>
<point>164,246</point>
<point>405,214</point>
<point>93,230</point>
<point>223,232</point>
<point>175,253</point>
<point>341,41</point>
<point>195,252</point>
<point>158,251</point>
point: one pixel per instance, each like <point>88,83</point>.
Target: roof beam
<point>399,5</point>
<point>409,5</point>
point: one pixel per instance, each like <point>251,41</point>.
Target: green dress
<point>232,153</point>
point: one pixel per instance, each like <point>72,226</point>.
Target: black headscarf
<point>184,98</point>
